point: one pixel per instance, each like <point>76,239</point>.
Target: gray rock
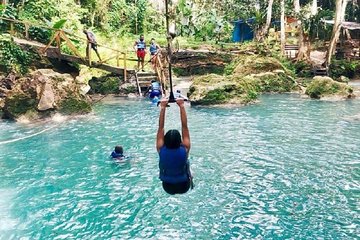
<point>47,98</point>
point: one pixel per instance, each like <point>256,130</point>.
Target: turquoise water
<point>286,168</point>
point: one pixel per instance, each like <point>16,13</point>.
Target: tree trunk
<point>3,2</point>
<point>314,8</point>
<point>339,18</point>
<point>304,46</point>
<point>282,27</point>
<point>264,30</point>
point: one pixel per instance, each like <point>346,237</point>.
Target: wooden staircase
<point>143,80</point>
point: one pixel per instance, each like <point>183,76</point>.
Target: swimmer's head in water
<point>119,150</point>
<point>172,139</point>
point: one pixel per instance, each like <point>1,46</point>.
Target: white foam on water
<point>6,221</point>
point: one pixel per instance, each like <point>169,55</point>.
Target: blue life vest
<point>173,165</point>
<point>116,155</point>
<point>155,86</point>
<point>140,45</point>
<point>153,48</point>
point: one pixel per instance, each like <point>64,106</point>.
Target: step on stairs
<point>320,71</point>
<point>144,79</point>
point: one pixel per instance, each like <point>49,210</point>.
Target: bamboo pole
<point>124,54</point>
<point>26,31</point>
<point>88,53</point>
<point>12,32</point>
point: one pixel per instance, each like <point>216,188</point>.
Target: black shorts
<point>176,188</point>
<point>94,46</point>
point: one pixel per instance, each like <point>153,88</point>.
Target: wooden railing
<point>160,72</point>
<point>60,35</point>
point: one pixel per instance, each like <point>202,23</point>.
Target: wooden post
<point>26,31</point>
<point>12,32</point>
<point>117,59</point>
<point>58,43</point>
<point>125,67</point>
<point>88,53</point>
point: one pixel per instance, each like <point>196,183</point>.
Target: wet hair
<point>172,139</point>
<point>141,36</point>
<point>119,149</point>
<point>153,39</point>
<point>152,81</point>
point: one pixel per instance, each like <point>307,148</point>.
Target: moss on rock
<point>70,106</point>
<point>325,86</point>
<point>18,104</point>
<point>254,64</point>
<point>251,76</point>
<point>108,84</point>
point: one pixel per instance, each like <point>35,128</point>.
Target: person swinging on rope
<point>140,49</point>
<point>173,152</point>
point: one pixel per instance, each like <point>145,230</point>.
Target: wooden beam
<point>70,44</point>
<point>125,68</point>
<point>49,44</point>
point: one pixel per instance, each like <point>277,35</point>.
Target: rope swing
<point>169,38</point>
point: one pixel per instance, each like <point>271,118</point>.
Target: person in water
<point>118,153</point>
<point>178,94</point>
<point>154,50</point>
<point>173,152</point>
<point>92,40</point>
<point>140,49</point>
<point>154,89</point>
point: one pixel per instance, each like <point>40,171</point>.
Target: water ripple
<point>287,168</point>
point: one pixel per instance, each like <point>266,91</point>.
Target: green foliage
<point>302,69</point>
<point>40,10</point>
<point>60,24</point>
<point>345,68</point>
<point>12,57</point>
<point>326,86</point>
<point>314,27</point>
<point>7,12</point>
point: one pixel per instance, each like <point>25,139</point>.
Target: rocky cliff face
<point>41,94</point>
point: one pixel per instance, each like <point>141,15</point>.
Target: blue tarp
<point>242,30</point>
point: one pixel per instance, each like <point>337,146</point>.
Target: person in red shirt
<point>140,49</point>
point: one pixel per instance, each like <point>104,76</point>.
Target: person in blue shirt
<point>154,89</point>
<point>118,153</point>
<point>154,51</point>
<point>173,152</point>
